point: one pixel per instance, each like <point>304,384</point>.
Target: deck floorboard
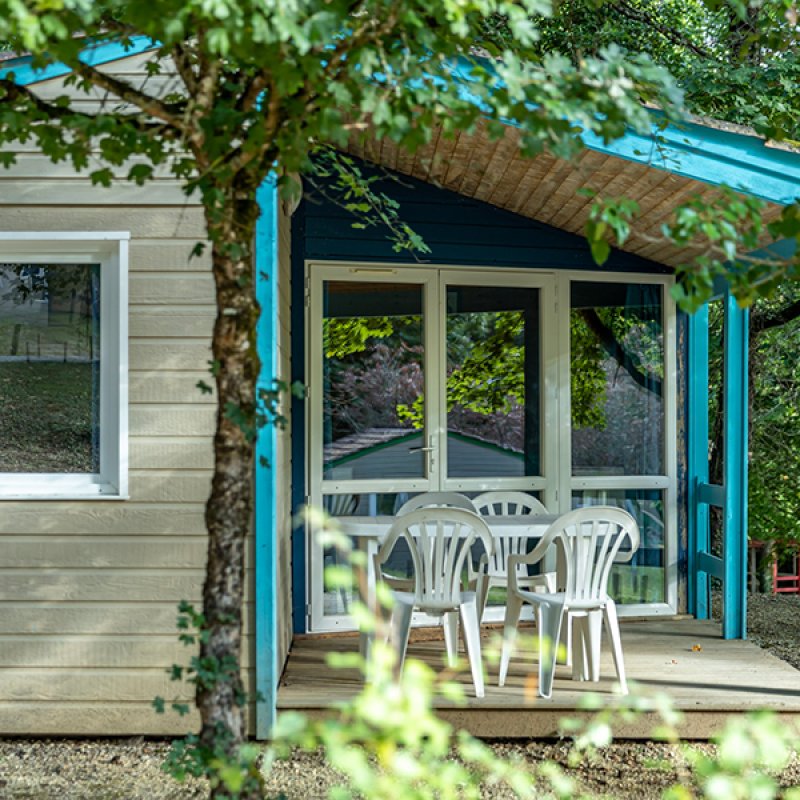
<point>706,678</point>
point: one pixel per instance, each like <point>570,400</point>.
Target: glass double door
<point>444,379</point>
<point>429,380</point>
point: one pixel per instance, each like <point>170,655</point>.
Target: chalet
<point>101,540</point>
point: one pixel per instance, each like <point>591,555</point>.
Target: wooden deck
<point>706,677</point>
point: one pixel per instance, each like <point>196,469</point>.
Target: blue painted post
<point>266,568</point>
<point>734,620</point>
<point>697,467</point>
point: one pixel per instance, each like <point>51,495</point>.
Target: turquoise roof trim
<point>93,55</point>
<point>700,152</point>
<point>743,162</point>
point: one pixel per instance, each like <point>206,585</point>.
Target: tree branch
<point>150,105</point>
<point>208,76</point>
<point>252,92</point>
<point>611,345</point>
<point>15,93</point>
<point>763,322</point>
<point>240,157</point>
<point>677,38</point>
<point>184,66</point>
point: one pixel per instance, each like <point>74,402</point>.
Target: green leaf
<point>601,250</point>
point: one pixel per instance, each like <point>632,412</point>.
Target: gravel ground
<point>129,769</point>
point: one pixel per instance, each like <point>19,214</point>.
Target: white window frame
<point>668,482</point>
<point>110,250</point>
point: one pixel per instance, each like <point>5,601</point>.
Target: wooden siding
<point>33,179</point>
<point>89,589</point>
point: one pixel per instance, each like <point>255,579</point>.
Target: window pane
<point>373,406</point>
<point>642,579</point>
<point>617,372</point>
<point>49,368</point>
<point>370,504</point>
<point>493,407</point>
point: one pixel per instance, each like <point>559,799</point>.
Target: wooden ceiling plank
<point>506,191</point>
<point>662,214</point>
<point>540,198</point>
<point>499,168</point>
<point>592,175</point>
<point>462,158</point>
<point>678,255</point>
<point>445,149</point>
<point>575,216</point>
<point>566,197</point>
<point>530,181</point>
<point>405,161</point>
<point>355,144</point>
<point>516,183</point>
<point>545,188</point>
<point>423,157</point>
<point>481,158</point>
<point>371,146</point>
<point>654,196</point>
<point>389,154</point>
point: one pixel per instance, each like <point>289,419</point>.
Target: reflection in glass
<point>365,504</point>
<point>643,579</point>
<point>373,420</point>
<point>49,368</point>
<point>617,371</point>
<point>493,410</point>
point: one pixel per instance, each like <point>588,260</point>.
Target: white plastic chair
<point>427,499</point>
<point>439,541</point>
<point>495,567</point>
<point>440,500</point>
<point>590,541</point>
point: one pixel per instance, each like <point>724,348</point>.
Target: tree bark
<point>221,700</point>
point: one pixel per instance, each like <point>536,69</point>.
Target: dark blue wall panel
<point>458,230</point>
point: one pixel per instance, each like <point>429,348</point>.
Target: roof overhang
<point>659,169</point>
<point>659,172</point>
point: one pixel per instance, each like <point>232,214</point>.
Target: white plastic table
<point>369,531</point>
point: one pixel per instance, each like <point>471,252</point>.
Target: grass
<point>55,334</point>
<point>47,418</point>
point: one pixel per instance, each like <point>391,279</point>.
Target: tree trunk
<point>221,700</point>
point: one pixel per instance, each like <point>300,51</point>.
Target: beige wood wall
<point>89,589</point>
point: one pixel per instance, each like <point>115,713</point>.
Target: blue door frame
<point>731,496</point>
<point>266,551</point>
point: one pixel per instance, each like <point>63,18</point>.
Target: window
<point>63,365</point>
<point>622,412</point>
